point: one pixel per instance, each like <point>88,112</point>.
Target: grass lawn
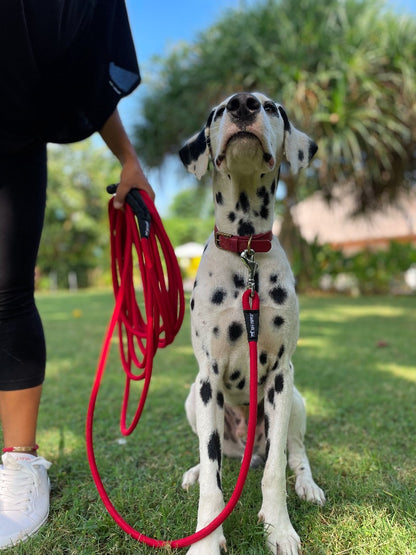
<point>356,367</point>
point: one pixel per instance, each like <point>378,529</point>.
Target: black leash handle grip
<point>135,201</point>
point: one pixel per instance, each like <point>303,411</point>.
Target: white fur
<point>246,137</point>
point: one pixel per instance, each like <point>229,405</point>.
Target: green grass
<point>355,365</point>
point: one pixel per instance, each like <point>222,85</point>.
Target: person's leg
<point>22,345</point>
<point>18,416</point>
<point>24,483</point>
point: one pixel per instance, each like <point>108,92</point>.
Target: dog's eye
<point>270,107</point>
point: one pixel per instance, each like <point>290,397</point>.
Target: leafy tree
<point>344,69</point>
<point>75,235</point>
<point>190,216</point>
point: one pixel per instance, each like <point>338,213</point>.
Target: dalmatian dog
<point>246,138</point>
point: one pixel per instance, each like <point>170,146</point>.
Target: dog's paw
<point>306,489</point>
<point>281,539</point>
<point>190,477</point>
<point>211,545</point>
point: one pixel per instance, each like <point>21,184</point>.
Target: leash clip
<point>247,256</point>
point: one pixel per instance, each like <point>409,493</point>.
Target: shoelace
<point>18,486</point>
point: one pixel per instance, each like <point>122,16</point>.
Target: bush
<point>374,272</point>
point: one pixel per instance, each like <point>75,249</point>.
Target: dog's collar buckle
<point>239,243</point>
<point>221,239</point>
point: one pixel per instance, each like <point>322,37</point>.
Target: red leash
<point>140,337</point>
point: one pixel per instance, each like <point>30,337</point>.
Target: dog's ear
<point>195,154</point>
<point>299,148</point>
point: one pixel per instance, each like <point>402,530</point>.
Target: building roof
<point>332,223</point>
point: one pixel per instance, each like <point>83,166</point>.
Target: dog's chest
<point>218,326</point>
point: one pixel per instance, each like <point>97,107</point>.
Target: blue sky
<point>156,27</point>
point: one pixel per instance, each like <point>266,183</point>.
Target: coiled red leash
<point>140,337</point>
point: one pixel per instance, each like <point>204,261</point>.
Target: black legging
<point>22,208</point>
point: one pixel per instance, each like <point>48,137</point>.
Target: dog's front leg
<point>209,403</point>
<point>281,536</point>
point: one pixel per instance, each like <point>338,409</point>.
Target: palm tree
<point>345,70</point>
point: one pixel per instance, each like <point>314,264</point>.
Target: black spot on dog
<point>192,304</point>
<point>232,216</point>
<point>278,294</point>
<point>273,187</point>
<point>218,198</point>
<point>206,392</point>
<point>238,280</point>
<point>275,366</point>
<point>219,480</point>
<point>286,122</point>
<point>261,191</point>
<point>196,333</point>
<point>216,331</point>
<point>281,351</point>
<point>262,380</point>
<point>278,321</point>
<point>191,151</point>
<point>263,358</point>
<point>235,375</point>
<point>264,212</point>
<point>273,278</point>
<point>313,147</point>
<point>279,383</point>
<point>301,155</point>
<point>218,296</point>
<point>215,367</point>
<point>241,384</point>
<point>270,396</point>
<point>245,228</point>
<point>214,448</point>
<point>243,202</point>
<point>235,331</point>
<point>266,425</point>
<point>220,399</point>
<point>267,449</point>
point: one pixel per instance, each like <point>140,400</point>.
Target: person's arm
<point>132,176</point>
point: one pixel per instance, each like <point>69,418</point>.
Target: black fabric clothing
<point>22,207</point>
<point>64,66</point>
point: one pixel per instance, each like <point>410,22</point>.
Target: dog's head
<point>258,127</point>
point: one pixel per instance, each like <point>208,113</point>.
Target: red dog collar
<point>236,243</point>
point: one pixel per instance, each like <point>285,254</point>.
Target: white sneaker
<point>24,497</point>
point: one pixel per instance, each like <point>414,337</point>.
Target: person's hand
<point>131,177</point>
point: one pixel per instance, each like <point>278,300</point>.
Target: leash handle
<point>135,200</point>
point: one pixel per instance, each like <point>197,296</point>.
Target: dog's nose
<point>243,106</point>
